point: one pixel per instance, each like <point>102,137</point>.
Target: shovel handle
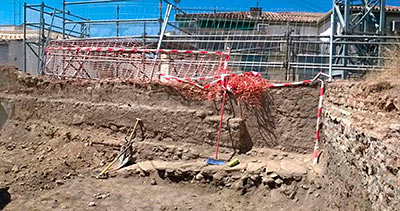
<point>120,154</point>
<point>107,167</point>
<point>134,130</point>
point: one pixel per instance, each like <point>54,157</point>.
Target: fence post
<point>164,26</point>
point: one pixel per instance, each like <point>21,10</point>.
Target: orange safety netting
<point>247,87</point>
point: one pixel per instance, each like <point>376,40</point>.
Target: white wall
<point>12,53</point>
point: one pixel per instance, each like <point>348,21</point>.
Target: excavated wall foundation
<point>362,133</point>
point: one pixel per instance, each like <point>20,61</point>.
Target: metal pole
<point>15,13</point>
<point>82,30</point>
<point>382,27</point>
<point>113,21</point>
<point>40,38</point>
<point>346,16</point>
<point>46,40</point>
<point>25,37</point>
<point>346,28</point>
<point>160,18</point>
<point>382,18</point>
<point>63,19</point>
<point>164,26</point>
<point>331,42</point>
<point>94,2</point>
<point>117,20</point>
<point>63,31</point>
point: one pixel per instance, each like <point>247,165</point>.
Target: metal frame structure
<point>46,28</point>
<point>48,25</point>
<point>349,46</point>
<point>117,21</point>
<point>345,49</point>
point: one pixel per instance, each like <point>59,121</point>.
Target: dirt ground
<point>50,167</point>
<point>49,153</point>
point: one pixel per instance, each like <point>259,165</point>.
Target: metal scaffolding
<point>278,49</point>
<point>47,28</point>
<point>358,29</point>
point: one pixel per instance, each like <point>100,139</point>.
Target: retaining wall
<point>362,134</point>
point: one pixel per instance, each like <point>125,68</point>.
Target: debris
<point>59,182</point>
<point>199,176</point>
<point>92,204</point>
<point>219,175</point>
<point>153,182</point>
<point>101,195</point>
<point>15,169</point>
<point>305,187</point>
<point>233,162</point>
<point>269,182</point>
<point>279,181</point>
<point>274,176</point>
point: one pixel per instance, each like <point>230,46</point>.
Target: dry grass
<point>391,70</point>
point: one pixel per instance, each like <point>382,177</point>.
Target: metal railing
<point>279,50</point>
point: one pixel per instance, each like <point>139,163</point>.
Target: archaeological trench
<point>57,134</point>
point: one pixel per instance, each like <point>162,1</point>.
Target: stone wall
<point>361,132</point>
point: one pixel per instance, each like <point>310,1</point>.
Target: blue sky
<point>11,10</point>
<point>10,7</point>
<point>7,6</point>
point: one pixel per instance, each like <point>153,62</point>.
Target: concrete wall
<point>3,53</point>
<point>12,53</point>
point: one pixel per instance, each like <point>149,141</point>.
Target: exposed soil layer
<point>286,121</point>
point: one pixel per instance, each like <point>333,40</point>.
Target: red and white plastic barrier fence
<point>320,102</point>
<point>222,79</point>
<point>290,84</point>
<point>130,62</point>
<point>111,49</point>
<point>223,84</point>
<point>316,147</point>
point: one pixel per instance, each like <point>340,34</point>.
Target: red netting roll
<point>248,87</point>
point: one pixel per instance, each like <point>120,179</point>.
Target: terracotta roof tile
<point>388,8</point>
<point>18,35</point>
<point>298,17</point>
<point>301,17</point>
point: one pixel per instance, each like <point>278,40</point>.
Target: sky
<point>10,7</point>
<point>11,11</point>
